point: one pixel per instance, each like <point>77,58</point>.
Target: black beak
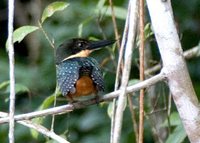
<point>98,44</point>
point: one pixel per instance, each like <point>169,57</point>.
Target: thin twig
<point>41,129</point>
<point>153,128</point>
<point>46,36</point>
<point>114,24</point>
<point>193,52</point>
<point>70,107</point>
<point>188,54</point>
<point>133,117</point>
<point>12,70</point>
<point>141,51</point>
<point>54,105</point>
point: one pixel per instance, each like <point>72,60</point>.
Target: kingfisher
<point>79,75</point>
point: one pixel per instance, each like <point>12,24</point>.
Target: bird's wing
<point>96,74</point>
<point>67,75</point>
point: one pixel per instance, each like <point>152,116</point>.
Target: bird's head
<point>78,47</point>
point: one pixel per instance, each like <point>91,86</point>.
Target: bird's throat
<point>83,53</point>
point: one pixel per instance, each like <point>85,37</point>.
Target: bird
<point>79,75</point>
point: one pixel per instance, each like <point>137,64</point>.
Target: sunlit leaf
<point>148,31</point>
<point>110,109</point>
<point>177,136</point>
<point>52,8</point>
<point>100,4</point>
<point>22,32</point>
<point>4,84</point>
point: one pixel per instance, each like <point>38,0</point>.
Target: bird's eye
<point>80,44</point>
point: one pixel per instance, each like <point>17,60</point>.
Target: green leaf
<point>4,84</point>
<point>174,120</point>
<point>133,81</point>
<point>148,31</point>
<point>178,135</point>
<point>47,102</point>
<point>110,109</point>
<point>22,32</point>
<point>52,8</point>
<point>38,121</point>
<point>100,4</point>
<point>19,89</point>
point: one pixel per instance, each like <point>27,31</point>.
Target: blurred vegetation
<point>35,70</point>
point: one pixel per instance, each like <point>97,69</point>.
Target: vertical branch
<point>129,38</point>
<point>119,67</point>
<point>141,51</point>
<point>120,62</point>
<point>11,66</point>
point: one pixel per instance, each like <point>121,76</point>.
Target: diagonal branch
<point>70,107</point>
<point>39,128</point>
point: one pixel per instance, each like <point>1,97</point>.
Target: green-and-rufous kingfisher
<point>78,74</point>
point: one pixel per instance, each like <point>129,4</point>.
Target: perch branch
<point>70,107</point>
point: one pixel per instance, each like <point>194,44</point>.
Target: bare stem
<point>46,36</point>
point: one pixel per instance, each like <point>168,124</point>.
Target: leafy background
<point>36,80</point>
